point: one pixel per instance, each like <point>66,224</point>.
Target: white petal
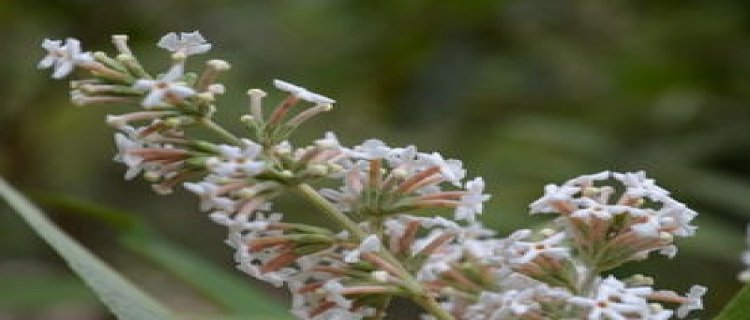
<point>169,41</point>
<point>153,98</point>
<point>181,91</point>
<point>144,84</point>
<point>288,87</point>
<point>46,62</point>
<point>62,69</point>
<point>198,49</point>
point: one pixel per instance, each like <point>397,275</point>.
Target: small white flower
<point>343,199</point>
<point>613,301</point>
<point>588,179</point>
<point>234,160</point>
<point>222,218</point>
<point>133,162</point>
<point>329,140</point>
<point>472,202</point>
<point>165,89</point>
<point>369,244</point>
<point>514,303</point>
<point>589,209</point>
<point>553,194</point>
<point>693,301</point>
<point>405,158</point>
<point>676,216</point>
<point>524,252</point>
<point>371,149</point>
<point>441,223</point>
<point>380,276</point>
<point>206,191</point>
<point>333,292</point>
<point>451,169</point>
<point>302,93</point>
<point>63,57</point>
<point>188,43</point>
<point>638,185</point>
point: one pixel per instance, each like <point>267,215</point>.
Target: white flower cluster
<point>557,273</point>
<point>612,299</point>
<point>63,58</point>
<point>392,236</point>
<point>644,218</point>
<point>400,180</point>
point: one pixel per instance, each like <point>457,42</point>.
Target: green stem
<point>588,282</point>
<point>421,296</point>
<point>324,205</point>
<point>223,133</point>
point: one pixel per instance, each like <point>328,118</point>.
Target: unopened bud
<point>246,193</point>
<point>400,173</point>
<point>120,37</point>
<point>205,96</point>
<point>333,167</point>
<point>547,232</point>
<point>380,276</point>
<point>590,191</point>
<point>125,57</point>
<point>317,169</point>
<point>179,56</point>
<point>655,307</point>
<point>247,118</point>
<point>641,280</point>
<point>287,174</point>
<point>666,236</point>
<point>282,150</point>
<point>151,176</point>
<point>218,65</point>
<point>216,88</point>
<point>256,93</point>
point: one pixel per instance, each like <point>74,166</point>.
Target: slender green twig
<point>307,192</point>
<point>223,133</point>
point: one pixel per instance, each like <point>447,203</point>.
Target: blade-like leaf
<point>738,308</point>
<point>226,289</point>
<point>121,297</point>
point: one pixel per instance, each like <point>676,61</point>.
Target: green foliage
<point>227,289</point>
<point>117,293</point>
<point>232,292</point>
<point>738,308</point>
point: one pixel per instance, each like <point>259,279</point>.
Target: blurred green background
<point>525,92</point>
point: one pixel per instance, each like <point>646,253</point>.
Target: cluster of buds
<point>404,222</point>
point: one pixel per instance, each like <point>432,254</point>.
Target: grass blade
<point>122,298</point>
<point>227,289</point>
<point>738,308</point>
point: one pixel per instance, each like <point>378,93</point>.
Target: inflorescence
<point>405,221</point>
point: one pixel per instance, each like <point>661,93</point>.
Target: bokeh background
<point>525,92</point>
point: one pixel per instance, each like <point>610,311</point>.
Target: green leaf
<point>122,298</point>
<point>738,308</point>
<point>226,289</point>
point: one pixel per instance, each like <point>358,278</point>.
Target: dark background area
<point>525,92</point>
